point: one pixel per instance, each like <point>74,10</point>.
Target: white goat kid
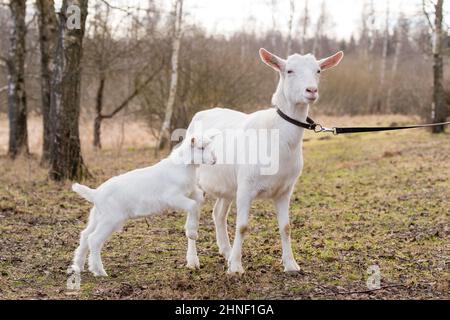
<point>169,184</point>
<point>297,88</point>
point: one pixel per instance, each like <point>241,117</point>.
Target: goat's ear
<point>272,60</point>
<point>332,61</point>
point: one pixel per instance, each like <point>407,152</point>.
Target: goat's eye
<point>290,71</point>
<point>318,71</point>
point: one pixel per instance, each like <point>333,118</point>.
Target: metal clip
<point>319,129</point>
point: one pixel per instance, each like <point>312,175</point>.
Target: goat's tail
<point>84,191</point>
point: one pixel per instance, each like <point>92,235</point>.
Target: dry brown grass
<point>116,134</point>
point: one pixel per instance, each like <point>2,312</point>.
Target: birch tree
<point>273,8</point>
<point>398,37</point>
<point>438,105</point>
<point>164,136</point>
<point>321,22</point>
<point>66,161</point>
<point>370,46</point>
<point>384,57</point>
<point>290,26</point>
<point>48,27</point>
<point>304,22</point>
<point>17,99</point>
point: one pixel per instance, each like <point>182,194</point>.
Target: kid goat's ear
<point>272,60</point>
<point>332,61</point>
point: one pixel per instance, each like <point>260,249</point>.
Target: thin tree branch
<point>124,10</point>
<point>427,15</point>
<point>136,91</point>
<point>372,290</point>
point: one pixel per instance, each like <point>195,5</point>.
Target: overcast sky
<point>227,16</point>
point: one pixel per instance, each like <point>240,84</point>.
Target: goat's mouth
<point>311,99</point>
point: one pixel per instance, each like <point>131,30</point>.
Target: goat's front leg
<point>243,201</point>
<point>282,206</point>
<point>193,208</point>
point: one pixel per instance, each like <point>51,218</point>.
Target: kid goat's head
<point>299,75</point>
<point>201,150</point>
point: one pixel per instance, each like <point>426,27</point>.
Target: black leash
<point>312,125</point>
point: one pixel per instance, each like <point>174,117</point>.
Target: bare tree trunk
<point>66,160</point>
<point>17,100</point>
<point>319,29</point>
<point>273,33</point>
<point>371,45</point>
<point>273,6</point>
<point>383,61</point>
<point>398,50</point>
<point>48,25</point>
<point>290,24</point>
<point>164,136</point>
<point>305,25</point>
<point>438,105</point>
<point>98,113</point>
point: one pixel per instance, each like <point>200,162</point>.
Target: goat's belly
<point>218,181</point>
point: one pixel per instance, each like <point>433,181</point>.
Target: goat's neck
<point>289,132</point>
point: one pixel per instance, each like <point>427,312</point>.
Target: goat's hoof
<point>192,262</point>
<point>74,269</point>
<point>235,268</point>
<point>98,273</point>
<point>291,266</point>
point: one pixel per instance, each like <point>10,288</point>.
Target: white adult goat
<point>297,89</point>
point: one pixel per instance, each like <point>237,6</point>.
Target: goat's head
<point>201,150</point>
<point>300,75</point>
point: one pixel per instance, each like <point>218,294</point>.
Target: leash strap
<point>375,129</point>
<point>312,125</point>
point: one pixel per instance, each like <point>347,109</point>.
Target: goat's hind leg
<point>81,252</point>
<point>96,240</point>
<point>282,206</point>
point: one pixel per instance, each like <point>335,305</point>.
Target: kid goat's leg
<point>220,213</point>
<point>282,206</point>
<point>243,201</point>
<point>193,209</point>
<point>192,222</point>
<point>82,250</point>
<point>96,240</point>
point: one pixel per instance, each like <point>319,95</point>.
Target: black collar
<point>311,125</point>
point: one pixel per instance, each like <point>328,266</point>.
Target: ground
<point>363,200</point>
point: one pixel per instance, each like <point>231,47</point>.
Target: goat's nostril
<point>311,90</point>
